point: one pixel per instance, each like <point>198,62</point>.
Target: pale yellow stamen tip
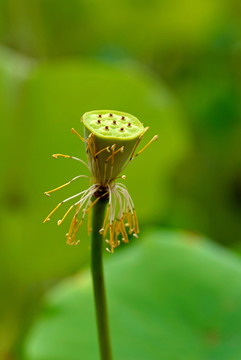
<point>47,194</point>
<point>101,231</point>
<point>123,177</point>
<point>135,235</point>
<point>155,138</point>
<point>46,220</point>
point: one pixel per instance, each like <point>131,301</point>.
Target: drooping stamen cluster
<point>116,225</point>
<point>105,164</point>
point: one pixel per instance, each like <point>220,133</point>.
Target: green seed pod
<point>110,137</point>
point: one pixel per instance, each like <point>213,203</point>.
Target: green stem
<point>98,279</point>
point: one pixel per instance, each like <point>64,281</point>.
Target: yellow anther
<point>67,212</point>
<point>75,132</point>
<point>149,143</point>
<point>48,217</point>
<point>107,148</point>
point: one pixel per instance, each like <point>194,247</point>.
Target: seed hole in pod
<point>114,122</point>
<point>111,115</point>
<point>99,121</point>
<point>123,118</point>
<point>106,127</point>
<point>121,129</point>
<point>129,124</point>
<point>99,115</point>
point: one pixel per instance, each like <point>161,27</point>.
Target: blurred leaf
<point>173,296</point>
<point>14,69</point>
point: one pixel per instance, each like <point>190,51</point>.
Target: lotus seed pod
<point>111,141</point>
<point>110,138</point>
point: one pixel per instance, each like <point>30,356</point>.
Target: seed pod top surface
<point>111,124</point>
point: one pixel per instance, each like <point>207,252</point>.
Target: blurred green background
<point>176,66</point>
